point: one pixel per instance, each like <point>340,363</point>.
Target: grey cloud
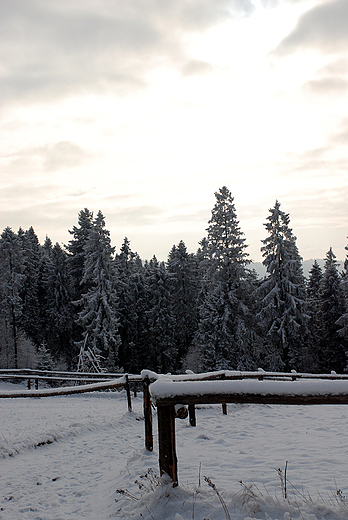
<point>313,211</point>
<point>26,195</point>
<point>20,170</point>
<point>193,67</point>
<point>62,155</point>
<point>134,215</point>
<point>198,216</point>
<point>335,68</point>
<point>49,48</point>
<point>330,80</point>
<point>341,136</point>
<point>326,86</point>
<point>22,191</point>
<point>323,27</point>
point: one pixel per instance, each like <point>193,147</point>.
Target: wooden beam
<point>129,399</point>
<point>192,414</point>
<point>254,399</point>
<point>48,392</point>
<point>147,415</point>
<point>166,439</point>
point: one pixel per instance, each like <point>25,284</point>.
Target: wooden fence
<point>167,392</point>
<point>98,381</point>
<point>263,388</point>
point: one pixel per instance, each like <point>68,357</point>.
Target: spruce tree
<point>76,262</point>
<point>226,336</point>
<point>59,310</point>
<point>333,346</point>
<point>98,315</point>
<point>44,358</point>
<point>162,351</point>
<point>131,294</point>
<point>342,322</point>
<point>181,267</point>
<point>311,362</point>
<point>43,319</point>
<point>134,349</point>
<point>76,249</point>
<point>282,315</point>
<point>30,288</point>
<point>12,279</point>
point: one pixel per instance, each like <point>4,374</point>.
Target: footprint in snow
<point>204,437</point>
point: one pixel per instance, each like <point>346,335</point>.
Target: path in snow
<point>100,448</point>
<point>75,477</point>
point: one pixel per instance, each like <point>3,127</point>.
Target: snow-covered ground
<point>83,457</point>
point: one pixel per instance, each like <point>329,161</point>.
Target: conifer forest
<point>202,311</point>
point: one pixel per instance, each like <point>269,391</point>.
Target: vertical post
<point>36,384</point>
<point>192,414</point>
<point>147,415</point>
<point>29,384</point>
<point>166,442</point>
<point>129,399</point>
<point>224,408</point>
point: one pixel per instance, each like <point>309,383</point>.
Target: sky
<point>143,109</point>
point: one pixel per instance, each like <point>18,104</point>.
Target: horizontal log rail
<point>59,378</point>
<point>239,375</point>
<point>253,399</point>
<point>24,373</point>
<point>66,390</point>
<point>80,378</point>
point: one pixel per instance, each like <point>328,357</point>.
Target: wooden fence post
<point>129,399</point>
<point>147,415</point>
<point>36,384</point>
<point>29,384</point>
<point>224,408</point>
<point>192,414</point>
<point>166,439</point>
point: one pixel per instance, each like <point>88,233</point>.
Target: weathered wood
<point>181,411</point>
<point>192,414</point>
<point>147,415</point>
<point>166,440</point>
<point>255,399</point>
<point>22,372</point>
<point>76,379</point>
<point>48,392</point>
<point>36,384</point>
<point>29,384</point>
<point>224,408</point>
<point>129,399</point>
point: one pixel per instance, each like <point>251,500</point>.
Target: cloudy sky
<point>144,108</point>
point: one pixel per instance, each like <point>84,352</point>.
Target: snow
<point>165,387</point>
<point>65,457</point>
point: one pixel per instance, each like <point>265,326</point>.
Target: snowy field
<point>83,457</point>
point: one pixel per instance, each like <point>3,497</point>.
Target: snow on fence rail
<point>28,373</point>
<point>100,382</point>
<point>233,387</point>
<point>55,375</point>
<point>66,390</point>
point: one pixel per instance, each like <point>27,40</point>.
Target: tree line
<point>206,310</point>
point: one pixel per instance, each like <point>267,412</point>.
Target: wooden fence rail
<point>100,382</point>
